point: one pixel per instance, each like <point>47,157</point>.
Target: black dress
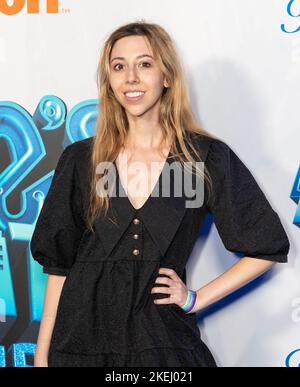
<point>106,315</point>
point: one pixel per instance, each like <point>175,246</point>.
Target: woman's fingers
<point>170,272</point>
<point>176,288</point>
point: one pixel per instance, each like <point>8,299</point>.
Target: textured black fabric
<point>106,315</point>
<point>244,218</point>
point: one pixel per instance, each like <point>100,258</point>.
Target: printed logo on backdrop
<point>293,359</point>
<point>295,196</point>
<point>293,11</point>
<point>14,7</point>
<point>27,157</point>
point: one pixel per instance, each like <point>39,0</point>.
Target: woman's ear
<point>166,83</point>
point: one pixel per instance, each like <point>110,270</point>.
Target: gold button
<point>136,236</point>
<point>136,221</point>
<point>136,252</point>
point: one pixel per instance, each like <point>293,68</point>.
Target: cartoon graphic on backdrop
<point>27,144</point>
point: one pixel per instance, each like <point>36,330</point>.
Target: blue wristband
<point>190,302</point>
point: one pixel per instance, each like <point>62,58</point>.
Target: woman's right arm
<point>52,296</point>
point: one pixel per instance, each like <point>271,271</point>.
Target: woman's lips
<point>134,99</point>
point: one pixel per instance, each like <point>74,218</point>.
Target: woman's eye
<point>147,63</point>
<point>143,63</point>
<point>119,64</point>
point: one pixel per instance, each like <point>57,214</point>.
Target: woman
<point>116,293</point>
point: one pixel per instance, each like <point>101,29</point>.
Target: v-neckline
<point>119,181</point>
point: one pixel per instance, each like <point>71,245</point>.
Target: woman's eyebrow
<point>138,57</point>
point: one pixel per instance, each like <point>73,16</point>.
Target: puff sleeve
<point>60,224</point>
<point>243,216</point>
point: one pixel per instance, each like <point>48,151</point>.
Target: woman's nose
<point>132,75</point>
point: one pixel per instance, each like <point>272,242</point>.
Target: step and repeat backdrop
<point>242,61</point>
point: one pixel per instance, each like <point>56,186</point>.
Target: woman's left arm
<point>245,221</point>
<point>240,274</point>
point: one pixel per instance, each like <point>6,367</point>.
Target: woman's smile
<point>134,96</point>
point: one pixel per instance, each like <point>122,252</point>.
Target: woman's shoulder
<point>209,146</point>
<point>76,158</point>
<point>81,147</point>
<point>80,152</point>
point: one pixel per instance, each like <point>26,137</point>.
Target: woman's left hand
<point>177,289</point>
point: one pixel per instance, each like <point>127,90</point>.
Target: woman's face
<point>133,69</point>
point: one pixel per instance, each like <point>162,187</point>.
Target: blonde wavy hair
<point>175,116</point>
